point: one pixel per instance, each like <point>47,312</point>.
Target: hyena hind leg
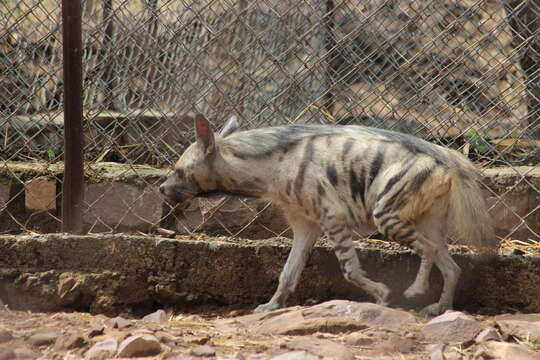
<point>450,272</point>
<point>433,250</point>
<point>305,234</point>
<point>421,282</point>
<point>433,226</point>
<point>341,237</point>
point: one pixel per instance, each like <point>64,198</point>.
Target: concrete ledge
<point>122,198</point>
<point>112,273</point>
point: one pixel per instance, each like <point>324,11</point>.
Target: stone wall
<point>122,198</point>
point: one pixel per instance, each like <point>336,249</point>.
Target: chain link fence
<point>465,74</point>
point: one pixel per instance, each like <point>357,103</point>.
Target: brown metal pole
<point>73,184</point>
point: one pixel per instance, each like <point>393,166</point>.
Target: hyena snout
<point>169,190</point>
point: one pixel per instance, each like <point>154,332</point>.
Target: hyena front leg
<point>340,234</point>
<point>305,234</point>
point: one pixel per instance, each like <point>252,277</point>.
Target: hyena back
<point>335,180</point>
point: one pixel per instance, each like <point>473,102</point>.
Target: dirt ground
<point>283,335</point>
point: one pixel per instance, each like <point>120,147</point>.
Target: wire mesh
<point>464,74</point>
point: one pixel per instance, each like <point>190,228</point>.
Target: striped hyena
<point>337,179</point>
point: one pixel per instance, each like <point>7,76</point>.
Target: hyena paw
<point>414,290</point>
<point>270,306</point>
<point>433,310</point>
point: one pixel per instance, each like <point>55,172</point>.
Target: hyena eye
<point>179,173</point>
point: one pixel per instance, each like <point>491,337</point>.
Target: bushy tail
<point>469,211</point>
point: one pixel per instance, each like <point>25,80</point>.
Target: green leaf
<point>477,142</point>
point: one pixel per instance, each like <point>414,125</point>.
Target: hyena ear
<point>204,134</point>
<point>230,126</point>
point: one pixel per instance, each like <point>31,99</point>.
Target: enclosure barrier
<point>464,74</point>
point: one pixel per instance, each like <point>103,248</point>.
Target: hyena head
<point>194,173</point>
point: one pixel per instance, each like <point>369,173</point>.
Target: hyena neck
<point>238,176</point>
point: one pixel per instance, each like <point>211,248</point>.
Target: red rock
<point>5,336</point>
<point>44,338</point>
<point>68,289</point>
<point>451,327</point>
<point>118,323</point>
<point>487,334</point>
<point>139,345</point>
<point>25,353</point>
<point>70,342</point>
<point>157,316</point>
<point>358,339</point>
<point>295,355</point>
<point>321,348</point>
<point>102,350</point>
<point>6,354</point>
<point>203,351</point>
<point>370,314</point>
<point>395,344</point>
<point>335,316</point>
<point>523,326</point>
<point>40,194</point>
<point>505,351</point>
<point>174,356</point>
<point>97,329</point>
<point>166,338</point>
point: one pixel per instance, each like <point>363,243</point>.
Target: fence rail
<point>465,74</point>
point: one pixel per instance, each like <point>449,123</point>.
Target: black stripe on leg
<point>408,234</point>
<point>385,221</point>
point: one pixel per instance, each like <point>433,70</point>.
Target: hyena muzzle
<point>335,180</point>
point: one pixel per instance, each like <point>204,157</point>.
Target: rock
<point>142,331</point>
<point>25,353</point>
<point>223,327</point>
<point>44,338</point>
<point>372,315</point>
<point>40,194</point>
<point>358,339</point>
<point>320,347</point>
<point>200,340</point>
<point>166,338</point>
<point>436,351</point>
<point>505,351</point>
<point>395,344</point>
<point>96,330</point>
<point>73,341</point>
<point>107,207</point>
<point>68,289</point>
<point>295,355</point>
<point>102,350</point>
<point>139,345</point>
<point>118,323</point>
<point>452,327</point>
<point>487,334</point>
<point>238,356</point>
<point>203,350</point>
<point>157,316</point>
<point>6,354</point>
<point>523,326</point>
<point>334,316</point>
<point>174,356</point>
<point>5,336</point>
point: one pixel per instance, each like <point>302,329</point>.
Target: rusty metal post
<point>73,184</point>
